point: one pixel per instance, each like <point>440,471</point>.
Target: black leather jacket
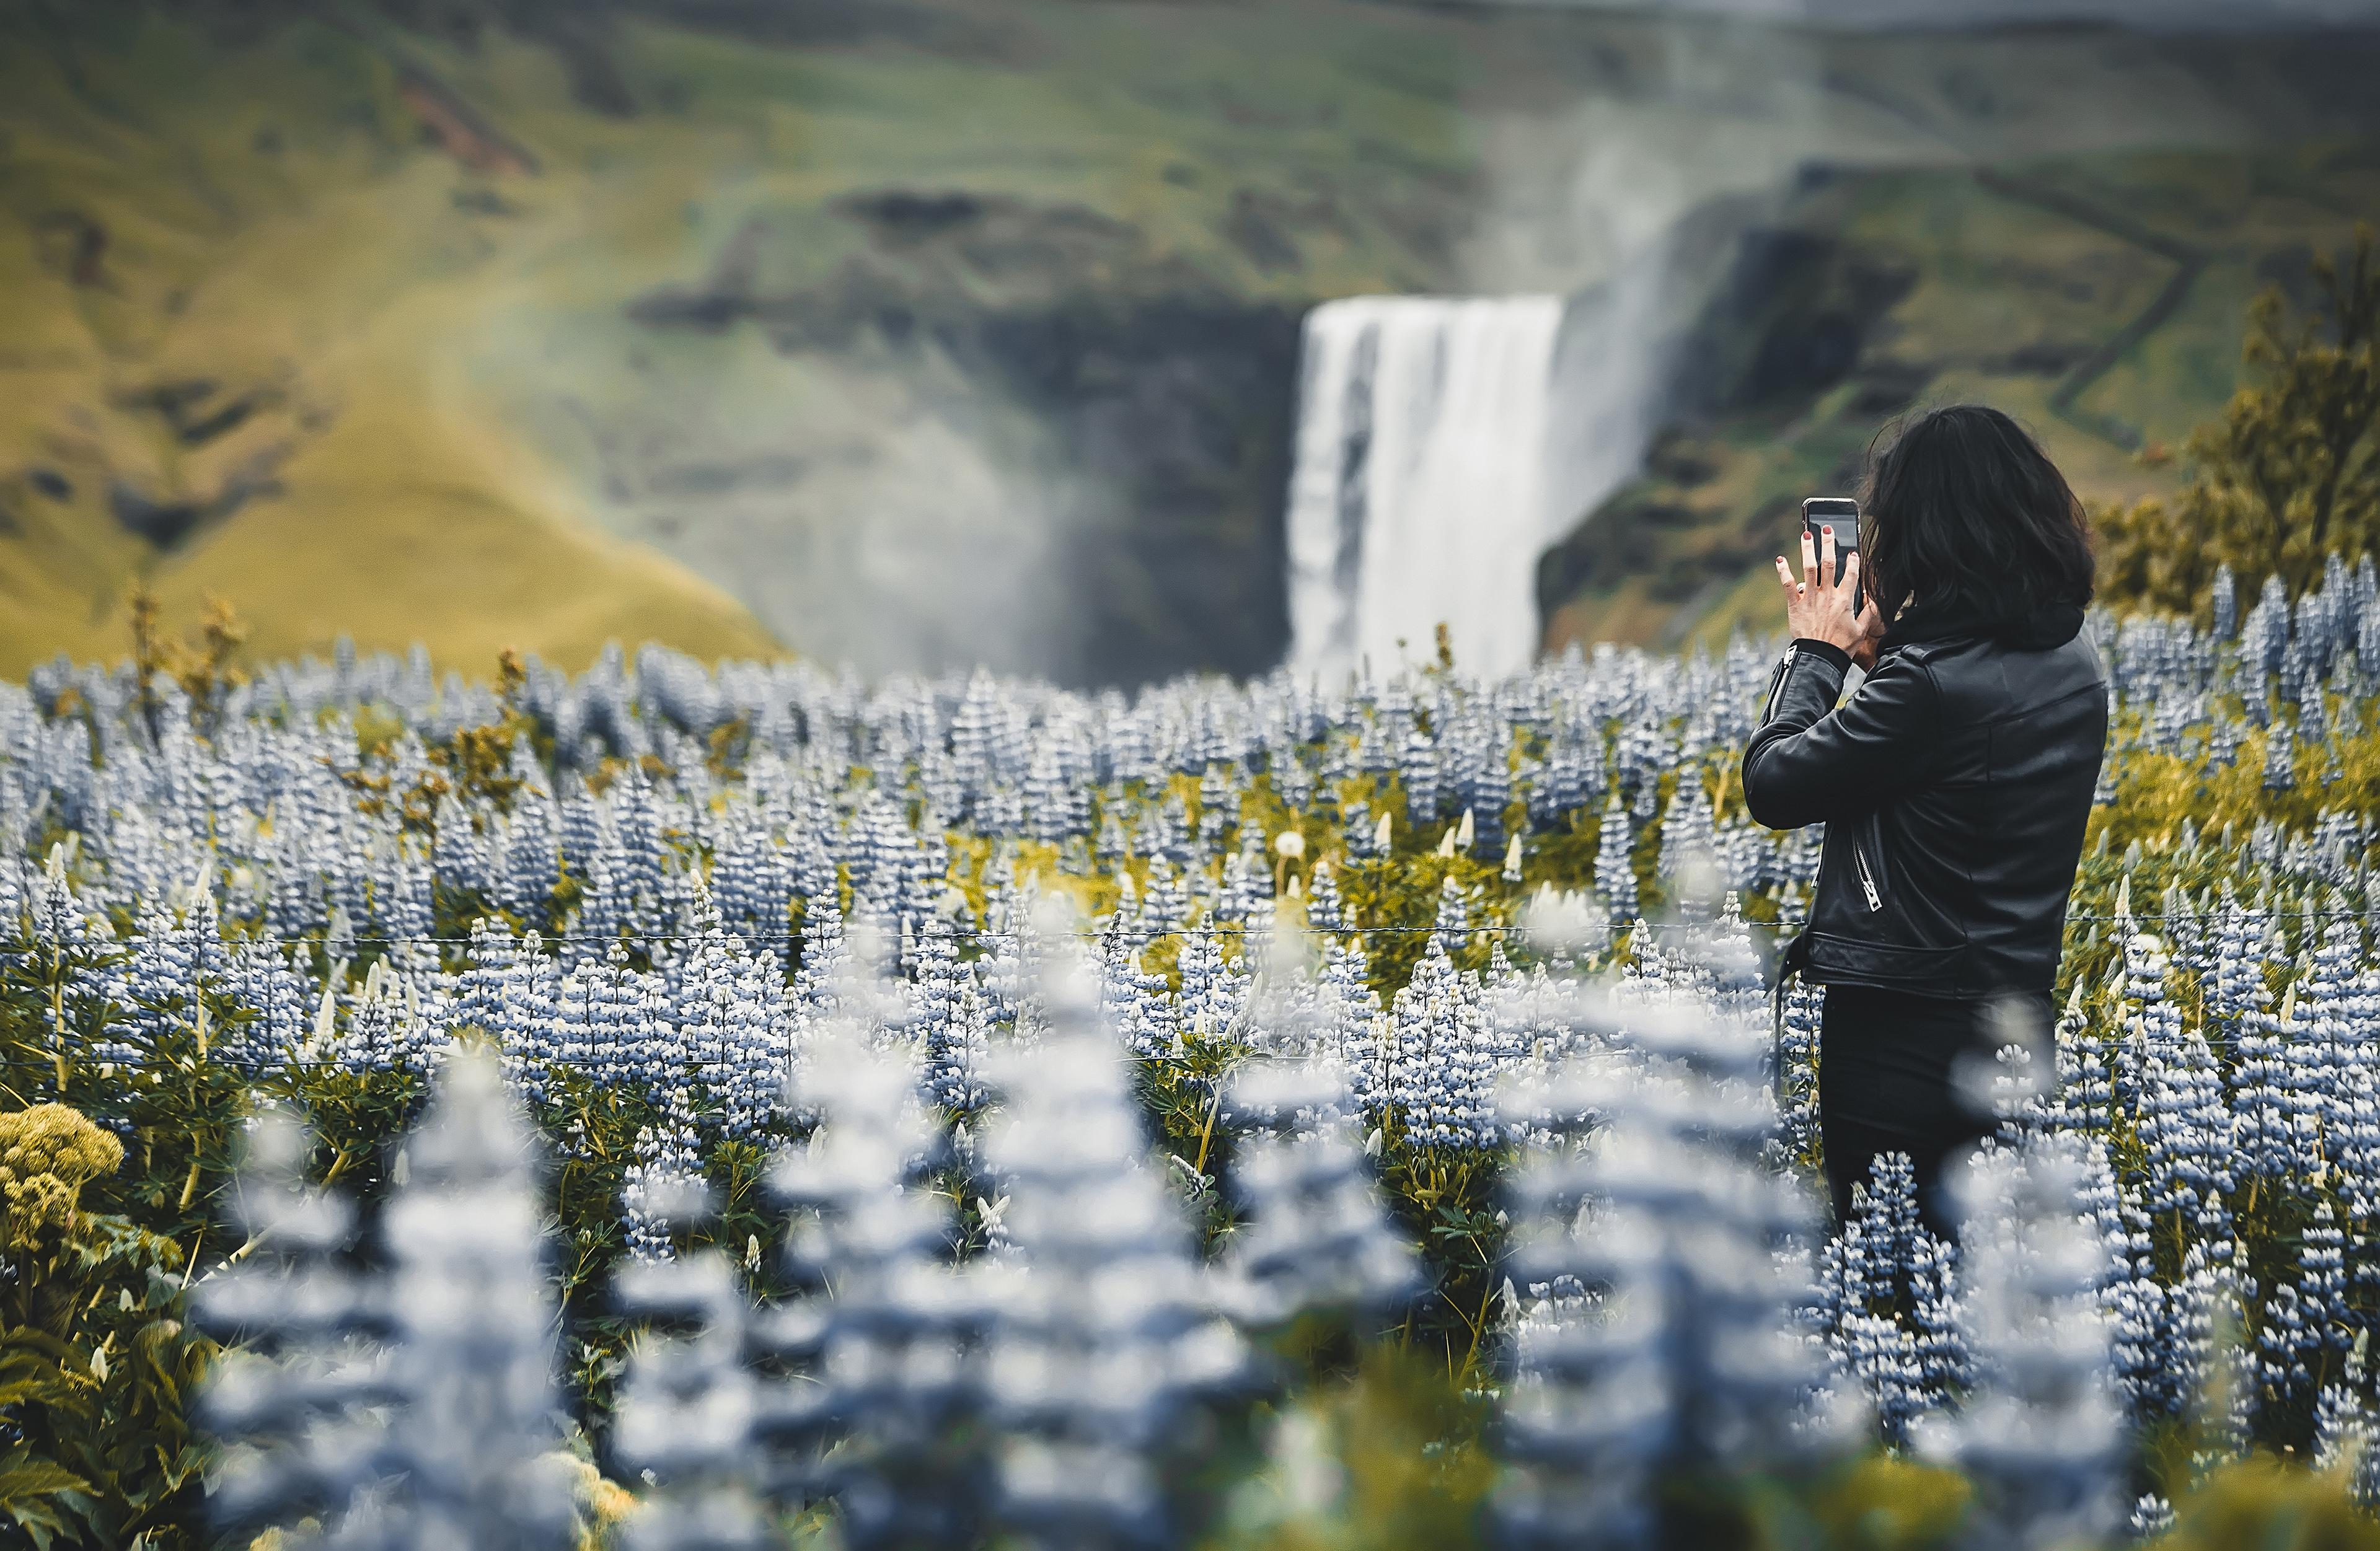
<point>1955,785</point>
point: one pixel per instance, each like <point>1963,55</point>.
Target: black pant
<point>1891,1070</point>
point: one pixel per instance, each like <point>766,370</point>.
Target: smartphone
<point>1844,515</point>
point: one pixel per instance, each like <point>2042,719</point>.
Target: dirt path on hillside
<point>2188,260</point>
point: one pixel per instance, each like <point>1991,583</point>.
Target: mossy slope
<point>2100,298</point>
<point>349,321</point>
<point>231,365</point>
<point>938,331</point>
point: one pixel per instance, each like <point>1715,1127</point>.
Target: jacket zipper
<point>1868,879</point>
<point>1777,683</point>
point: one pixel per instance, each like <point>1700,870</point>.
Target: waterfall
<point>1419,493</point>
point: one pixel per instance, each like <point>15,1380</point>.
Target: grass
<point>329,283</point>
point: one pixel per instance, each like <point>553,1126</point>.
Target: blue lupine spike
<point>1674,1257</point>
<point>447,1431</point>
<point>1615,875</point>
<point>1089,1373</point>
<point>2040,1432</point>
<point>306,948</point>
<point>1417,762</point>
<point>1316,1236</point>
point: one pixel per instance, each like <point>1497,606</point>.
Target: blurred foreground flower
<point>415,1411</point>
<point>1659,1262</point>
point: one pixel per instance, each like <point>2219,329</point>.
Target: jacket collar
<point>2048,627</point>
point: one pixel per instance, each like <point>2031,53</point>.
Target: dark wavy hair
<point>1963,514</point>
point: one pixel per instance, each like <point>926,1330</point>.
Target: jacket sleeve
<point>1810,761</point>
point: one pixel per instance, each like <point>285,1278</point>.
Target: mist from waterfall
<point>1605,225</point>
<point>1418,493</point>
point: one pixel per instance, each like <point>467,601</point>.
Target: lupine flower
<point>2211,1057</point>
<point>880,1346</point>
<point>2040,1434</point>
<point>291,1398</point>
<point>1316,1235</point>
<point>419,1413</point>
<point>664,1182</point>
<point>1657,1245</point>
<point>1615,875</point>
<point>1888,1303</point>
<point>1106,1333</point>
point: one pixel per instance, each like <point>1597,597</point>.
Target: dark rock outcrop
<point>1183,411</point>
<point>1166,409</point>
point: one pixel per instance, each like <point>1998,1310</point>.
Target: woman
<point>1955,782</point>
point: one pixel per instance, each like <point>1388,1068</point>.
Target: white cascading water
<point>1419,493</point>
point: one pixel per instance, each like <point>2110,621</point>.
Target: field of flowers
<point>751,1107</point>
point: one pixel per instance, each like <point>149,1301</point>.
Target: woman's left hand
<point>1818,607</point>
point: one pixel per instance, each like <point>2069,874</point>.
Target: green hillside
<point>2100,298</point>
<point>932,331</point>
<point>382,330</point>
<point>241,307</point>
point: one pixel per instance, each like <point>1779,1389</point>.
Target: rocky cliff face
<point>1178,416</point>
<point>2093,281</point>
<point>1082,479</point>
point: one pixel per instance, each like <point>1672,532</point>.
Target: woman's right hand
<point>1818,607</point>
